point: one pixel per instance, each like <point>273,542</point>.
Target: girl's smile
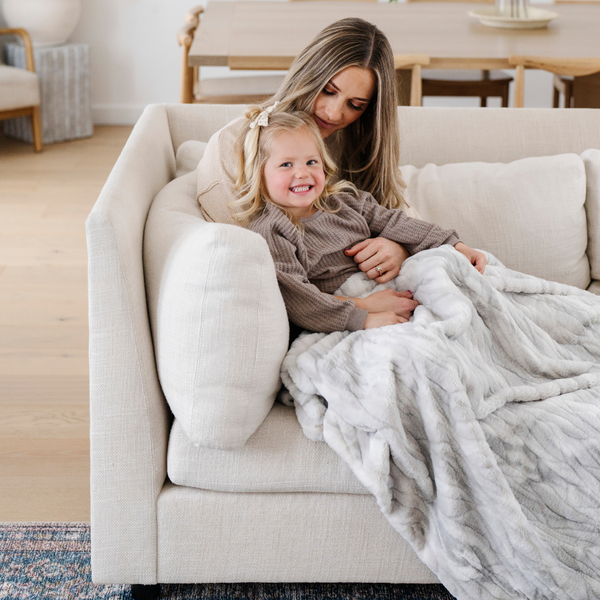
<point>293,172</point>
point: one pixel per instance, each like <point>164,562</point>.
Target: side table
<point>65,109</point>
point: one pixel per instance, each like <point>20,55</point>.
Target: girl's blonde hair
<point>254,149</point>
<point>368,150</point>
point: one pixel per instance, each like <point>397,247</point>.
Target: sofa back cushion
<point>218,321</point>
<point>529,213</point>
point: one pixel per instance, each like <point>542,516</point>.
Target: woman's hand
<point>381,319</point>
<point>476,258</point>
<point>379,252</point>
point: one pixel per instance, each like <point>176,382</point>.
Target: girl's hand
<point>379,252</point>
<point>381,319</point>
<point>400,303</point>
<point>476,258</point>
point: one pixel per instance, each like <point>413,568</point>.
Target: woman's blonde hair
<point>368,150</point>
<point>254,149</point>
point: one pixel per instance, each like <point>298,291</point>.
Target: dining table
<point>268,35</point>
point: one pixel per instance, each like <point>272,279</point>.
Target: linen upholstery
<point>129,418</point>
<point>591,160</point>
<point>278,457</point>
<point>19,88</point>
<point>450,135</point>
<point>188,156</point>
<point>219,324</point>
<point>271,537</point>
<point>129,415</point>
<point>529,213</point>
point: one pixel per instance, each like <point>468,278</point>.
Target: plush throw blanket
<point>476,425</point>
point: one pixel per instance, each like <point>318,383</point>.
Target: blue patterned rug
<point>52,561</point>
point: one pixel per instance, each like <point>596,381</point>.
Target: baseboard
<point>117,114</point>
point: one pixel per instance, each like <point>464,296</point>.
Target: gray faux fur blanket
<point>476,425</point>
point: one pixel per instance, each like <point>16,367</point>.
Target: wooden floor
<point>44,417</point>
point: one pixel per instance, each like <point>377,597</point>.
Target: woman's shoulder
<point>217,172</point>
<point>223,142</point>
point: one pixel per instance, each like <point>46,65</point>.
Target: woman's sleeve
<point>216,174</point>
<point>396,225</point>
<point>306,305</point>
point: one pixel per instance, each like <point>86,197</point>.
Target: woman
<point>345,79</point>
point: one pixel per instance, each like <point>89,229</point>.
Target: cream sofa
<point>268,505</point>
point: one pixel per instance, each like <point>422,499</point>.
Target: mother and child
<point>315,171</point>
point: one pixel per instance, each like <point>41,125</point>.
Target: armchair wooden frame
<point>577,67</point>
<point>27,111</point>
<point>414,62</point>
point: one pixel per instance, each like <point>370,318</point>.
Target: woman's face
<point>343,99</point>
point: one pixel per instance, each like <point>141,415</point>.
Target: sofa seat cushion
<point>277,458</point>
<point>530,213</point>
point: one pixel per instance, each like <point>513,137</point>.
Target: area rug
<point>52,561</point>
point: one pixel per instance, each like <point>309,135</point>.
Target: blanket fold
<point>476,425</point>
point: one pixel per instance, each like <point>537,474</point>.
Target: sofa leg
<point>145,592</point>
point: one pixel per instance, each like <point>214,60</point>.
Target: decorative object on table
<point>49,22</point>
<point>513,14</point>
<point>223,90</point>
<point>466,83</point>
<point>20,90</point>
<point>577,67</point>
<point>64,75</point>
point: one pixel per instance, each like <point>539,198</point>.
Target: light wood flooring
<point>44,417</point>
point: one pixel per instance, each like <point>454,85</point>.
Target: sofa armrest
<point>129,418</point>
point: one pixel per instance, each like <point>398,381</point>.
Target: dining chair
<point>466,83</point>
<point>414,62</point>
<point>577,67</point>
<point>580,93</point>
<point>222,90</point>
<point>20,89</point>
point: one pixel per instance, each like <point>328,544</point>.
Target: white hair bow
<point>263,118</point>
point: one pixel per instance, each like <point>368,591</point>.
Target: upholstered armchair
<point>20,89</point>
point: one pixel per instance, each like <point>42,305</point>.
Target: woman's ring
<point>379,269</point>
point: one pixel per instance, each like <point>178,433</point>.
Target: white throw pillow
<point>591,160</point>
<point>530,213</point>
<point>218,320</point>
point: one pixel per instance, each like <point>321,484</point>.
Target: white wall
<point>135,58</point>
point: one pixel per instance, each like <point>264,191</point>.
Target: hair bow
<point>263,118</point>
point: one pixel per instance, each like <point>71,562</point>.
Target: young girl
<point>286,190</point>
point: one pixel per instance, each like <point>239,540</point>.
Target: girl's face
<point>293,173</point>
<point>343,99</point>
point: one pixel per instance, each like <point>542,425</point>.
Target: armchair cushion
<point>18,88</point>
<point>530,213</point>
<point>218,321</point>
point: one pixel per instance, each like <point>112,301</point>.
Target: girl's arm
<point>387,307</point>
<point>306,305</point>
